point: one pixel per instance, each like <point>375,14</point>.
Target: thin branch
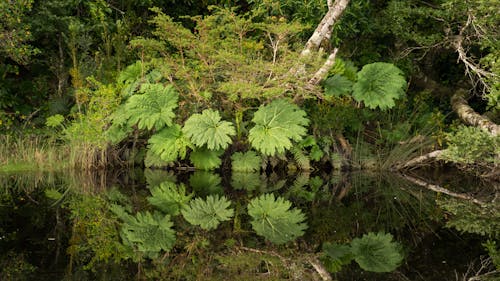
<point>321,73</point>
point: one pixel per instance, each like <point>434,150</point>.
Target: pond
<point>358,226</point>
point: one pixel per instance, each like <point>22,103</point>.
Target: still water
<point>57,226</point>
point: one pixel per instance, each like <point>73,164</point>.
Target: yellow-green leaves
<point>276,126</point>
<point>208,129</point>
<point>169,144</point>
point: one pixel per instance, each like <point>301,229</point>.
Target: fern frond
<point>273,219</point>
<point>169,197</point>
<point>205,159</point>
<point>154,108</point>
<point>378,85</point>
<point>169,144</point>
<point>208,213</point>
<point>208,129</point>
<point>245,161</point>
<point>276,126</point>
<point>301,158</point>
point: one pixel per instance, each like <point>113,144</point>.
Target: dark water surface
<point>37,224</point>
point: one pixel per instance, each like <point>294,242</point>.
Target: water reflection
<point>42,215</point>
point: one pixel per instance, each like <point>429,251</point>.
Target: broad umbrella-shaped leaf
<point>208,213</point>
<point>276,126</point>
<point>273,219</point>
<point>169,197</point>
<point>169,144</point>
<point>205,183</point>
<point>377,252</point>
<point>245,161</point>
<point>337,85</point>
<point>154,108</point>
<point>205,159</point>
<point>208,129</point>
<point>378,85</point>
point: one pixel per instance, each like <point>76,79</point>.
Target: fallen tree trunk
<point>421,160</point>
<point>471,117</point>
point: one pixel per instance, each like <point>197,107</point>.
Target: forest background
<point>243,85</point>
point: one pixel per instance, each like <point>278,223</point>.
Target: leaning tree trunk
<point>469,116</point>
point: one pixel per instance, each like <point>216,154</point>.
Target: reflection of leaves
<point>155,177</point>
<point>273,219</point>
<point>147,233</point>
<point>247,181</point>
<point>205,183</point>
<point>208,213</point>
<point>245,161</point>
<point>377,252</point>
<point>169,197</point>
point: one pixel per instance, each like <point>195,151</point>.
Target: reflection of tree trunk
<point>469,116</point>
<point>439,189</point>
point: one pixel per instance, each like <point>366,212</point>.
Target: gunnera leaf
<point>335,256</point>
<point>154,108</point>
<point>169,144</point>
<point>276,126</point>
<point>378,85</point>
<point>208,129</point>
<point>169,197</point>
<point>205,183</point>
<point>245,180</point>
<point>208,213</point>
<point>205,159</point>
<point>337,85</point>
<point>245,161</point>
<point>377,252</point>
<point>273,219</point>
<point>148,233</point>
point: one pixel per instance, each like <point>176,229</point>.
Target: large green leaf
<point>245,161</point>
<point>169,144</point>
<point>205,159</point>
<point>208,213</point>
<point>276,126</point>
<point>337,85</point>
<point>208,129</point>
<point>206,183</point>
<point>154,108</point>
<point>378,85</point>
<point>273,219</point>
<point>377,252</point>
<point>169,197</point>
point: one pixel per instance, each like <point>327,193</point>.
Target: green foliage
<point>245,162</point>
<point>205,159</point>
<point>273,219</point>
<point>169,197</point>
<point>471,218</point>
<point>276,126</point>
<point>377,252</point>
<point>334,256</point>
<point>146,233</point>
<point>54,121</point>
<point>169,144</point>
<point>471,145</point>
<point>208,129</point>
<point>338,85</point>
<point>245,180</point>
<point>493,252</point>
<point>378,85</point>
<point>205,183</point>
<point>208,213</point>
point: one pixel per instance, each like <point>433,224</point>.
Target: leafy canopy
<point>276,126</point>
<point>273,219</point>
<point>378,85</point>
<point>208,213</point>
<point>169,197</point>
<point>377,252</point>
<point>208,129</point>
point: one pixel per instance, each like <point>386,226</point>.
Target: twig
<point>320,269</point>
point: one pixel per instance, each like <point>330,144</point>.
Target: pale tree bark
<point>469,116</point>
<point>324,29</point>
